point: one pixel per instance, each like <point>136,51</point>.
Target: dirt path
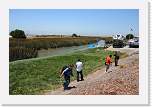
<point>123,80</point>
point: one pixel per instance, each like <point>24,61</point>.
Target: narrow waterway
<point>61,51</point>
<point>68,50</point>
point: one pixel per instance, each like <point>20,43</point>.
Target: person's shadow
<point>71,87</point>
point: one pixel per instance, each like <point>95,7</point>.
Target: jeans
<point>79,73</point>
<point>116,62</point>
<point>66,82</point>
<point>107,67</point>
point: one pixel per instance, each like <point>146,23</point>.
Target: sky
<point>90,22</point>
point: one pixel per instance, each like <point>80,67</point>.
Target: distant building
<point>119,37</point>
<point>100,43</point>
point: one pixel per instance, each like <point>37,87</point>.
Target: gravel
<point>122,80</point>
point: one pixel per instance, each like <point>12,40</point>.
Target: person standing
<point>108,62</point>
<point>117,54</point>
<point>79,68</point>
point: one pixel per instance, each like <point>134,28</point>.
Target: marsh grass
<point>36,76</point>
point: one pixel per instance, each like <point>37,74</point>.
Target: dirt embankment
<point>123,80</point>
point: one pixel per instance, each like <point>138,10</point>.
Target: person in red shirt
<point>108,62</point>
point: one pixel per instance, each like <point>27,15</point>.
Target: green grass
<point>39,75</point>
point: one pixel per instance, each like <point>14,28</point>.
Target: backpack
<point>67,72</point>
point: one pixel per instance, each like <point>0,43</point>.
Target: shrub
<point>129,36</point>
<point>18,34</point>
<point>74,35</point>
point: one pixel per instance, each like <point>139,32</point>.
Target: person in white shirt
<point>79,67</point>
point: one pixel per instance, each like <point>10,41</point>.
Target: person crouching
<point>66,72</point>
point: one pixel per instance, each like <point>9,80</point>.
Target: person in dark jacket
<point>117,55</point>
<point>66,72</point>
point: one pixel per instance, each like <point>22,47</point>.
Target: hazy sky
<point>79,21</point>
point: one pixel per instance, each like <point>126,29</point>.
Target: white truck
<point>134,43</point>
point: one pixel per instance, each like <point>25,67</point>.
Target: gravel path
<point>122,80</point>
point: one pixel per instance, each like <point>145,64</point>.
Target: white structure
<point>100,43</point>
<point>118,36</point>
